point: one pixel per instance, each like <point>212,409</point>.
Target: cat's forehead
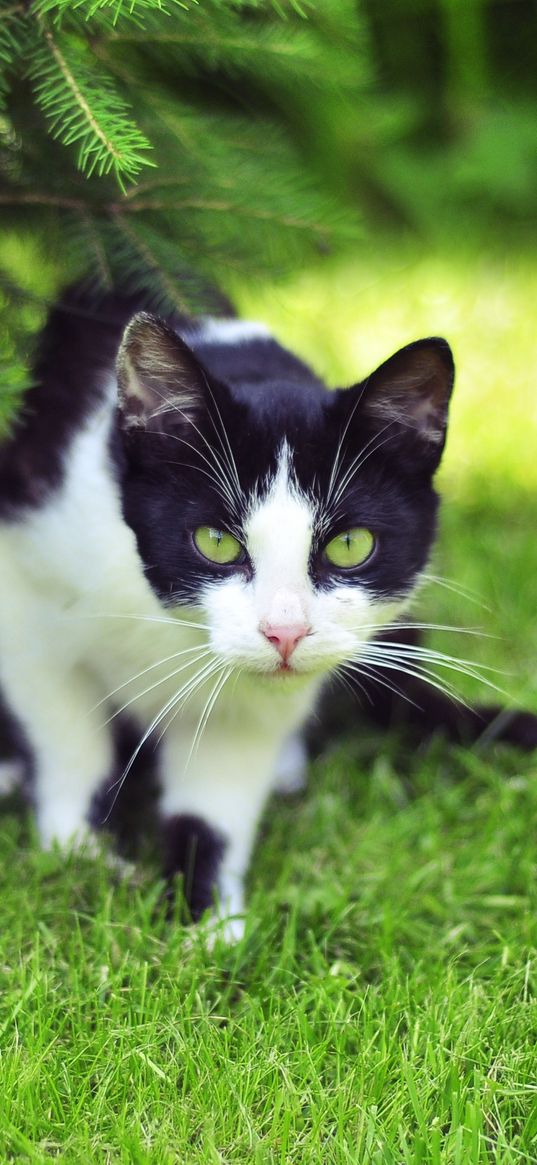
<point>282,465</point>
<point>283,440</point>
<point>280,511</point>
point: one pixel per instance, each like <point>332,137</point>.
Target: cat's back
<point>71,380</point>
<point>245,355</point>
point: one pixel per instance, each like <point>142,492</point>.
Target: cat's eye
<point>217,545</point>
<point>351,548</point>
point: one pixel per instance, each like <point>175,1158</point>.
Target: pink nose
<point>285,639</point>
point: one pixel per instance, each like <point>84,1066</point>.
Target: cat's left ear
<point>412,390</point>
<point>158,374</point>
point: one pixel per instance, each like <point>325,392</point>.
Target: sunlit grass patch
<point>381,1007</point>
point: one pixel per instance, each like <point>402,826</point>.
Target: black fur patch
<point>74,360</point>
<point>77,347</point>
<point>128,808</point>
<point>195,850</point>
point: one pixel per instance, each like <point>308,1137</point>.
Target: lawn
<point>382,1006</point>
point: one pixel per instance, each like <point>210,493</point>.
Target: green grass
<point>382,1007</point>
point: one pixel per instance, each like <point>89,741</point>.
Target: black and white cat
<point>195,532</point>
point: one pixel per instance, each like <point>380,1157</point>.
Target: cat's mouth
<point>283,669</point>
<point>287,671</point>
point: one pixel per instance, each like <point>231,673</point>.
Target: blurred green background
<point>356,172</point>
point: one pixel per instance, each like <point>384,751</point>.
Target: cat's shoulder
<point>72,388</point>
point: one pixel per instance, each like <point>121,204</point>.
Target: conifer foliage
<point>165,141</point>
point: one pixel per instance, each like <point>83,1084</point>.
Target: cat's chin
<point>285,674</point>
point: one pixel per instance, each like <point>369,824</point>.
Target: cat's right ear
<point>159,377</point>
<point>408,396</point>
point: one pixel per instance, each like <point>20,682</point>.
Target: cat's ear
<point>412,391</point>
<point>159,377</point>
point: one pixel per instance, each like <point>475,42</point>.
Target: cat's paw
<point>87,844</point>
<point>213,930</point>
<point>225,930</point>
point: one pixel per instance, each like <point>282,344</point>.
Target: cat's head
<point>297,519</point>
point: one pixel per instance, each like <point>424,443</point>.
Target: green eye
<point>350,548</point>
<point>216,545</point>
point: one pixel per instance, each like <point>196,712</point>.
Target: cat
<point>197,535</point>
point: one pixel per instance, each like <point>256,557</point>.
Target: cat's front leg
<point>210,806</point>
<point>70,746</point>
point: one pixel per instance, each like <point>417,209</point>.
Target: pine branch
<point>275,50</point>
<point>96,249</point>
<point>86,110</point>
<point>225,91</point>
<point>116,10</point>
<point>12,45</point>
<point>136,9</point>
<point>149,262</point>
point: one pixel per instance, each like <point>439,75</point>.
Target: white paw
<point>56,835</point>
<point>290,774</point>
<point>228,930</point>
<point>214,929</point>
<point>85,843</point>
<point>11,776</point>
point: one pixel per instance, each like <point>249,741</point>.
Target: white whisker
<point>371,447</point>
<point>216,464</point>
<point>391,654</point>
<point>185,692</point>
<point>467,667</point>
<point>418,674</point>
<point>420,649</point>
<point>230,458</point>
<point>220,467</point>
<point>163,679</point>
<point>426,674</point>
<point>476,631</point>
<point>209,705</point>
<point>138,675</point>
<point>338,675</point>
<point>368,671</point>
<point>170,622</point>
<point>336,462</point>
<point>217,476</point>
<point>450,585</point>
<point>397,662</point>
